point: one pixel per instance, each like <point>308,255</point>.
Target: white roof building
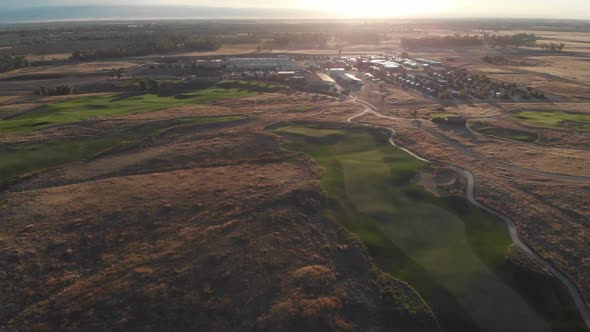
<point>253,64</point>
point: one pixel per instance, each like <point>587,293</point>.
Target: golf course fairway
<point>453,253</point>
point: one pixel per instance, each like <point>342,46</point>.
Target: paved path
<point>370,109</point>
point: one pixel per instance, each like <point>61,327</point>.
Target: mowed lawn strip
<point>298,130</point>
<point>441,115</point>
<point>28,158</point>
<point>553,119</point>
<point>84,108</point>
<point>512,134</point>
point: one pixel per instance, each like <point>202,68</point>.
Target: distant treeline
<point>162,43</point>
<point>519,39</point>
<point>60,90</point>
<point>441,42</point>
<point>358,37</point>
<point>8,63</point>
<point>301,40</point>
<point>319,40</point>
<point>250,38</point>
<point>516,40</point>
<point>552,46</point>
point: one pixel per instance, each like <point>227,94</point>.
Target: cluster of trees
<point>250,38</point>
<point>301,40</point>
<point>530,92</point>
<point>60,90</point>
<point>200,44</point>
<point>149,85</point>
<point>465,85</point>
<point>8,63</point>
<point>161,43</point>
<point>441,42</point>
<point>552,46</point>
<point>519,39</point>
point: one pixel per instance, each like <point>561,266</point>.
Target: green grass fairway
<point>298,130</point>
<point>450,251</point>
<point>516,135</point>
<point>134,82</point>
<point>83,108</point>
<point>28,158</point>
<point>553,119</point>
<point>441,115</point>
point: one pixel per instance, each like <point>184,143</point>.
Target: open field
<point>54,56</point>
<point>65,70</point>
<point>563,66</point>
<point>565,89</point>
<point>421,239</point>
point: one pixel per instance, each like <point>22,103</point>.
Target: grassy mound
<point>515,135</point>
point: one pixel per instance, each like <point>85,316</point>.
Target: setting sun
<point>378,8</point>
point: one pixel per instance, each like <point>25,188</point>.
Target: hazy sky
<point>579,9</point>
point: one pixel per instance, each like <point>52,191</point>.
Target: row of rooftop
<point>288,64</point>
<point>424,75</point>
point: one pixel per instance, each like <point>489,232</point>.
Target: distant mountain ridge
<point>110,12</point>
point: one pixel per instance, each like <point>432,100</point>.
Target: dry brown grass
<point>573,68</point>
<point>53,56</point>
<point>73,69</point>
<point>214,229</point>
<point>549,86</point>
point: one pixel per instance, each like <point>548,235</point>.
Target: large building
<point>348,79</point>
<point>261,64</point>
<point>209,64</point>
<point>319,82</point>
<point>208,70</point>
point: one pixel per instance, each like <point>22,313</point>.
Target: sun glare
<point>377,8</point>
